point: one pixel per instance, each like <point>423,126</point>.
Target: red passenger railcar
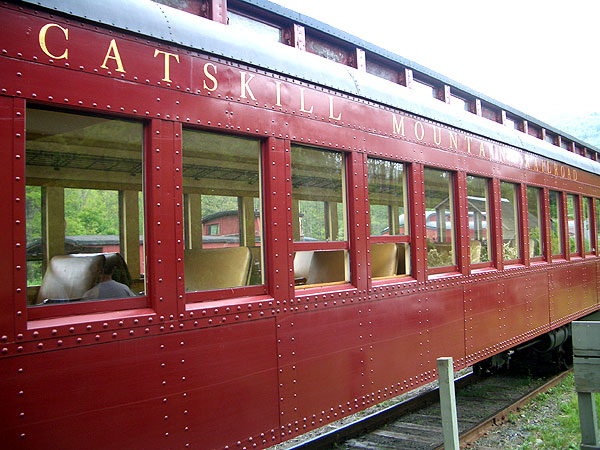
<point>376,229</point>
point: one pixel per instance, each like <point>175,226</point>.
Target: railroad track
<point>415,424</point>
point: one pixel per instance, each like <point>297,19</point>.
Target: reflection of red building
<point>222,229</point>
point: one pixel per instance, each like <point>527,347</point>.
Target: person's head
<point>108,269</point>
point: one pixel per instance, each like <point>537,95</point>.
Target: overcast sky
<point>540,57</point>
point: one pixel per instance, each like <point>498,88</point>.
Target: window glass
<point>479,211</point>
<point>387,198</point>
<point>510,221</point>
<point>222,214</point>
<point>319,215</point>
<point>253,26</point>
<point>460,103</point>
<point>439,218</point>
<point>388,214</point>
<point>318,187</point>
<point>556,223</point>
<point>573,220</point>
<point>423,88</point>
<point>587,224</point>
<point>84,207</point>
<point>534,214</point>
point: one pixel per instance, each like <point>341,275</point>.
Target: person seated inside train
<point>107,287</point>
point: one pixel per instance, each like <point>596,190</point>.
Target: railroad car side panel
<point>96,396</point>
<point>585,289</point>
<point>562,301</point>
<point>445,325</point>
<point>484,312</point>
<point>322,366</point>
<point>396,324</point>
<point>524,305</point>
<point>409,333</point>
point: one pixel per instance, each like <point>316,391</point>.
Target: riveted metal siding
<point>174,387</point>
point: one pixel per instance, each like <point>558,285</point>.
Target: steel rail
<point>474,433</point>
<point>379,418</point>
<point>387,415</point>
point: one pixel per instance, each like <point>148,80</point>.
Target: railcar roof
<point>178,27</point>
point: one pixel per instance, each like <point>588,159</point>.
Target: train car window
<point>84,207</point>
<point>191,6</point>
<point>511,248</point>
<point>478,201</point>
<point>574,224</point>
<point>254,27</point>
<point>389,216</point>
<point>222,211</point>
<point>556,223</point>
<point>439,218</point>
<point>423,88</point>
<point>587,225</point>
<point>319,216</point>
<point>535,217</point>
<point>460,103</point>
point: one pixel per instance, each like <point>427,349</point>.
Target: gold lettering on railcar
<point>419,131</point>
<point>437,137</point>
<point>331,116</point>
<point>453,139</point>
<point>302,108</point>
<point>113,53</point>
<point>42,39</point>
<point>278,84</point>
<point>211,77</point>
<point>167,57</point>
<point>245,85</point>
<point>398,127</point>
<point>494,153</point>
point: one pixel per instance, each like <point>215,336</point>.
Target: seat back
<point>403,264</point>
<point>327,267</point>
<point>302,262</point>
<point>68,277</point>
<point>217,268</point>
<point>384,259</point>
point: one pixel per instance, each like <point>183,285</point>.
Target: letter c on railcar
<point>42,38</point>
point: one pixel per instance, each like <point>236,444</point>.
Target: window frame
<point>489,222</point>
<point>404,239</point>
<point>542,212</point>
<point>324,246</point>
<point>590,223</point>
<point>518,206</point>
<point>199,297</point>
<point>560,220</point>
<point>577,222</point>
<point>38,315</point>
<point>453,203</point>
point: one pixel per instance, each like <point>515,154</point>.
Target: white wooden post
<point>448,404</point>
<point>588,420</point>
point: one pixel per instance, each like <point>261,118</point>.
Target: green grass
<point>551,420</point>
